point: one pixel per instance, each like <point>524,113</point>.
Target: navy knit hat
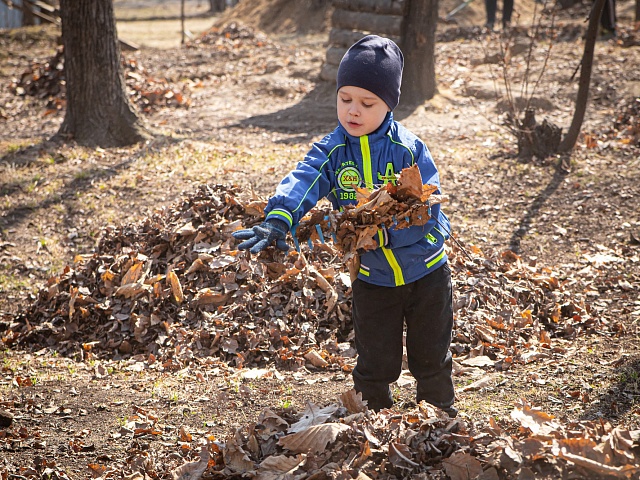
<point>375,64</point>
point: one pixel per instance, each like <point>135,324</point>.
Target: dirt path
<point>152,24</point>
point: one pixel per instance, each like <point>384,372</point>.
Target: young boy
<point>406,280</point>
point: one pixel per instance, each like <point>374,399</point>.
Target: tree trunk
<point>569,141</point>
<point>637,12</point>
<point>98,111</point>
<point>418,46</point>
<point>28,18</point>
<point>217,5</point>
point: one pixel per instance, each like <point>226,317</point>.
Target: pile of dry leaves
<point>150,93</point>
<point>46,80</point>
<point>232,35</point>
<point>43,80</point>
<point>174,288</point>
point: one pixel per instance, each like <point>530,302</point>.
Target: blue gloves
<point>264,235</point>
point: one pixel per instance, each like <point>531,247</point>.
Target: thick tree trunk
<point>98,110</point>
<point>569,141</point>
<point>418,46</point>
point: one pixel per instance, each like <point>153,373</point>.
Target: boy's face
<point>360,112</point>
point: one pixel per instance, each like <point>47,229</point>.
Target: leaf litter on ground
<point>172,292</point>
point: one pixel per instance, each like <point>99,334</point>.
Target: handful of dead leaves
<point>354,229</point>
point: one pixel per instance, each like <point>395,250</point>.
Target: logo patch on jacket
<point>348,178</point>
<point>389,175</point>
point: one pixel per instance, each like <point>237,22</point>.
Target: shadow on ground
<point>533,210</point>
<point>67,195</point>
<point>623,394</point>
<point>314,116</point>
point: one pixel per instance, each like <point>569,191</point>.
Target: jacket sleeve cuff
<point>282,215</point>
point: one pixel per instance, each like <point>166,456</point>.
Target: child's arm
<point>297,193</point>
<point>301,189</point>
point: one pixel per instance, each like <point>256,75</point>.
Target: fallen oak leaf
<point>135,476</point>
<point>185,435</point>
<point>313,415</point>
<point>624,471</point>
<point>97,470</point>
<point>399,454</point>
<point>146,431</point>
<point>314,439</point>
<point>222,261</point>
<point>235,458</point>
<point>272,423</point>
<point>479,361</point>
<point>537,421</point>
<point>352,401</point>
<point>315,359</point>
<point>484,382</point>
<point>134,274</point>
<point>23,381</point>
<point>427,193</point>
<point>366,238</point>
<point>352,262</point>
<point>196,266</point>
<point>276,467</point>
<point>206,296</point>
<point>176,288</point>
<point>74,293</point>
<point>362,194</point>
<point>192,470</point>
<point>131,290</point>
<point>379,201</point>
<point>255,208</point>
<point>622,443</point>
<point>325,286</point>
<point>363,456</point>
<point>6,419</point>
<point>410,183</point>
<point>462,466</point>
<point>186,230</point>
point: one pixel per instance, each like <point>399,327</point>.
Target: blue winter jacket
<point>339,161</point>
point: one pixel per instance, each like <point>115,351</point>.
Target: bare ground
<point>255,106</point>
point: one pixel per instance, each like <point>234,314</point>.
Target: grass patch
<point>13,282</point>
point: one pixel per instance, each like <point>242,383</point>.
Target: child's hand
<point>262,236</point>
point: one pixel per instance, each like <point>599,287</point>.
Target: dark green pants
<point>379,317</point>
